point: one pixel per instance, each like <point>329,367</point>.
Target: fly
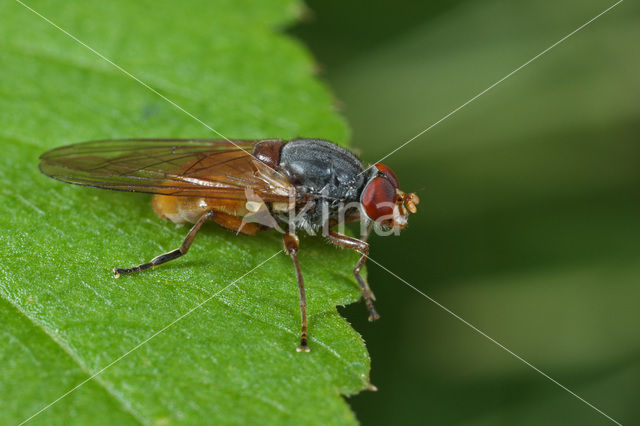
<point>308,185</point>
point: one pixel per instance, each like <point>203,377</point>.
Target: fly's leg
<point>291,245</point>
<point>362,248</point>
<point>364,236</point>
<point>174,254</point>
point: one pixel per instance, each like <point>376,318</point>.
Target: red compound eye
<point>388,173</point>
<point>378,198</point>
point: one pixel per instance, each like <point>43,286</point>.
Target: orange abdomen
<point>189,209</point>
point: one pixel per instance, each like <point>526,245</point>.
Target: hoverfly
<point>245,186</point>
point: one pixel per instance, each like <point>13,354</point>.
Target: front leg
<point>364,236</point>
<point>363,248</point>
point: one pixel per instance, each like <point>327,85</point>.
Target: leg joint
<point>291,243</point>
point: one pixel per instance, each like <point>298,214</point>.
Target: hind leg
<point>174,254</point>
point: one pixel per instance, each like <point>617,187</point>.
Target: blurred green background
<point>529,222</point>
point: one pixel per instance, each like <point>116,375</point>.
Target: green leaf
<point>65,317</point>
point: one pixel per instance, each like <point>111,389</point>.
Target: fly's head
<point>383,202</point>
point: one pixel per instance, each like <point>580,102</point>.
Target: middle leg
<point>291,245</point>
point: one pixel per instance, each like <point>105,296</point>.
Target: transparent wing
<point>177,167</point>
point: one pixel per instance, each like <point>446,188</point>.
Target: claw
<point>303,347</point>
